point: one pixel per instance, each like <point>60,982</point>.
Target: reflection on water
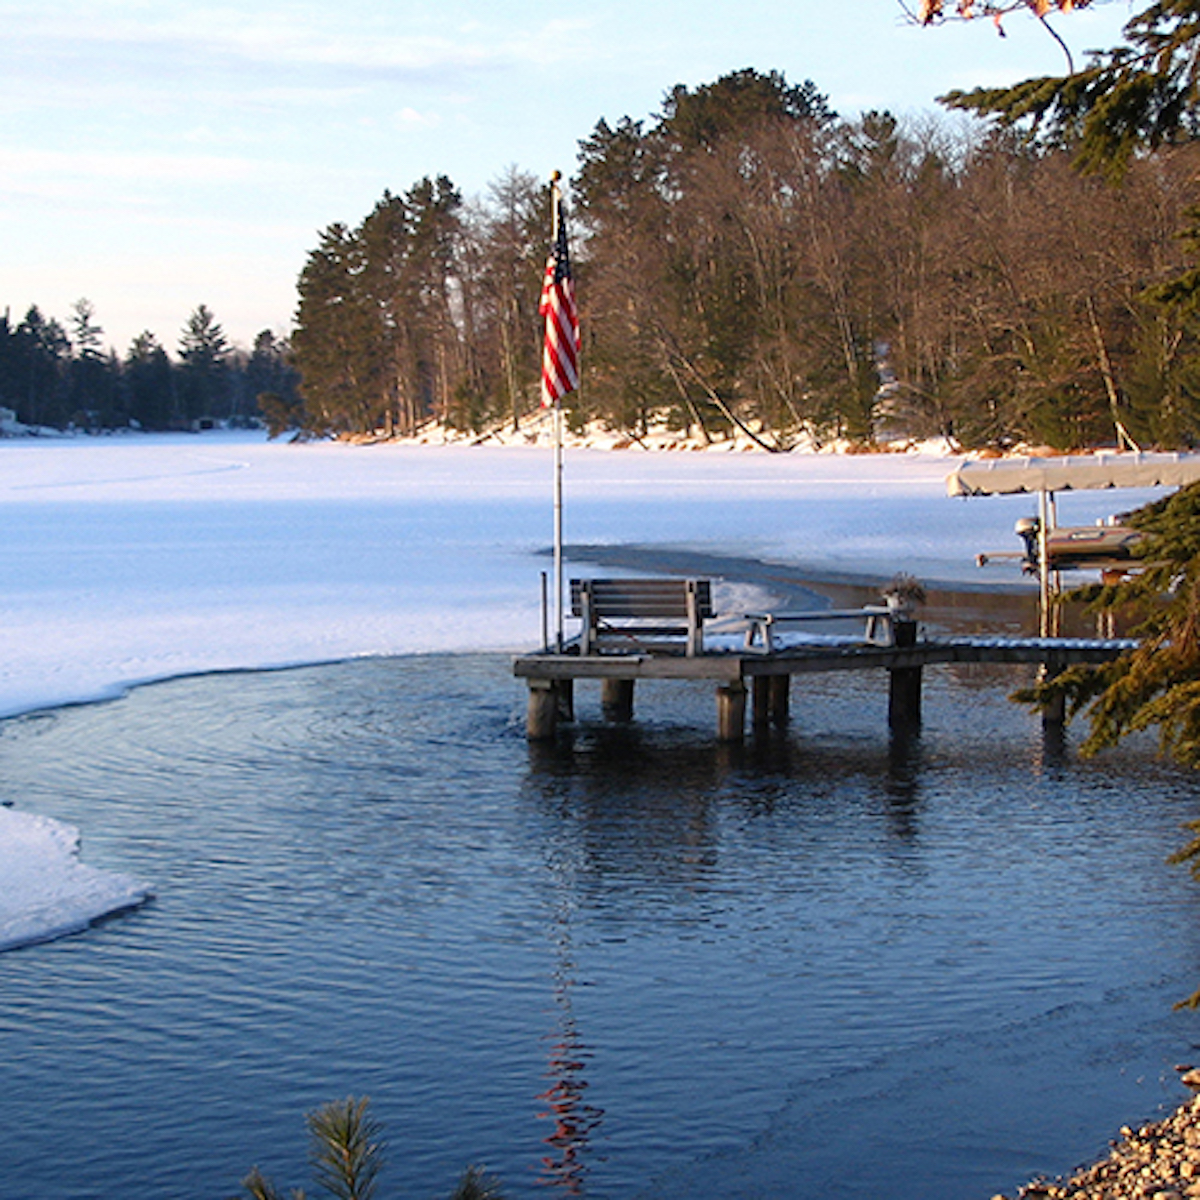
<point>564,1166</point>
<point>902,784</point>
<point>632,962</point>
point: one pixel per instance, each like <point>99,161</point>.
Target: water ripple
<point>627,960</point>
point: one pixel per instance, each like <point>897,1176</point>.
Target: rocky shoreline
<point>1159,1161</point>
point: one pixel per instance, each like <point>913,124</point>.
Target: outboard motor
<point>1028,530</point>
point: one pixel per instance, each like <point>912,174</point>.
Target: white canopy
<point>1001,476</point>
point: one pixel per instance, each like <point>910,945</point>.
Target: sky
<point>158,156</point>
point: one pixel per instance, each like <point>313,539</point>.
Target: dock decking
<point>766,677</point>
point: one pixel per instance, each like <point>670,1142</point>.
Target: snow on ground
<point>128,559</point>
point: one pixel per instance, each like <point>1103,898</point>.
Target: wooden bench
<point>877,620</point>
<point>634,615</point>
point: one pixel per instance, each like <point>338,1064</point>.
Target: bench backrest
<point>648,598</point>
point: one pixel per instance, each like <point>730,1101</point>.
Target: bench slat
<point>645,605</point>
<point>642,597</point>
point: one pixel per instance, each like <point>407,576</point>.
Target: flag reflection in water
<point>565,1166</point>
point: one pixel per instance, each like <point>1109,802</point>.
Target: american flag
<point>560,350</point>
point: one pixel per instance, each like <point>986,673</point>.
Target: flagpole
<point>560,368</point>
<point>555,203</point>
<point>558,521</point>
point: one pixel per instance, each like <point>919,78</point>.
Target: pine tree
<point>1157,684</point>
<point>204,352</point>
<point>271,382</point>
<point>42,357</point>
<point>346,1148</point>
<point>1136,97</point>
<point>86,333</point>
<point>149,383</point>
<point>336,344</point>
<point>1143,94</point>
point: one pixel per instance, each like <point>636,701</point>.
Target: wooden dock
<point>765,678</point>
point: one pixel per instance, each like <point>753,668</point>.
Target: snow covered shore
<point>130,559</point>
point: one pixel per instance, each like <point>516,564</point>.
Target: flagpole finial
<point>555,176</point>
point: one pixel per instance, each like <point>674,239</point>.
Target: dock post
<point>564,690</point>
<point>760,701</point>
<point>1054,715</point>
<point>770,696</point>
<point>781,698</point>
<point>904,698</point>
<point>616,699</point>
<point>904,685</point>
<point>541,721</point>
<point>731,712</point>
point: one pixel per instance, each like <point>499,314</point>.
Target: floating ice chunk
<point>45,891</point>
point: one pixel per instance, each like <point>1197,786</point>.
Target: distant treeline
<point>748,259</point>
<point>744,260</point>
<point>56,376</point>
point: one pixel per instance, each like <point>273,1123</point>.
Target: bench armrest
<point>878,621</point>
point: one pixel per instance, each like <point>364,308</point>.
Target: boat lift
<point>1050,548</point>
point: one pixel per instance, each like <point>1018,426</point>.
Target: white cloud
<point>410,118</point>
<point>289,39</point>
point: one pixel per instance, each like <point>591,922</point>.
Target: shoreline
<point>678,560</point>
<point>1159,1160</point>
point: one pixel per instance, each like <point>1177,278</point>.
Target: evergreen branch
<point>259,1187</point>
<point>1143,94</point>
<point>475,1185</point>
<point>346,1148</point>
<point>1157,684</point>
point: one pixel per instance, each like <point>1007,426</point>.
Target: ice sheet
<point>47,892</point>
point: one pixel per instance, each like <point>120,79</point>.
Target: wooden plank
<point>642,597</point>
<point>821,614</point>
<point>814,660</point>
<point>627,666</point>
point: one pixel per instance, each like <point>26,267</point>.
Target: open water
<point>634,964</point>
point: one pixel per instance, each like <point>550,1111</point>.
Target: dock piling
<point>1054,715</point>
<point>760,701</point>
<point>731,711</point>
<point>904,698</point>
<point>904,683</point>
<point>780,698</point>
<point>541,721</point>
<point>770,700</point>
<point>616,699</point>
<point>564,690</point>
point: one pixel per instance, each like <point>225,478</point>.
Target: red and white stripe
<point>560,349</point>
